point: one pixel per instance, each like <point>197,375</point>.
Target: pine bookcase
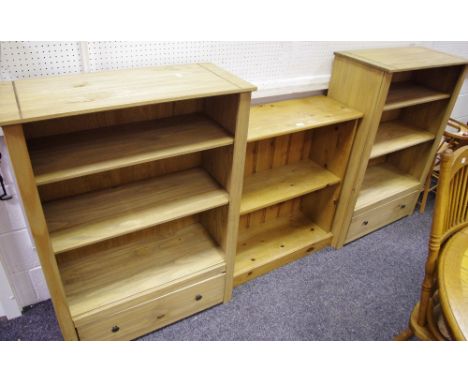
<point>131,182</point>
<point>297,155</point>
<point>407,96</point>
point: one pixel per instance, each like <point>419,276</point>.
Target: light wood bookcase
<point>131,182</point>
<point>407,96</point>
<point>297,156</point>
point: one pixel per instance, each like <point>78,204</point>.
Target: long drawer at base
<point>369,221</point>
<point>152,315</point>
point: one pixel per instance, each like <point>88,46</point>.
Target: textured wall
<point>275,67</point>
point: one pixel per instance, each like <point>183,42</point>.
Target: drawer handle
<point>402,206</point>
<point>115,329</point>
<point>198,297</point>
<point>365,222</point>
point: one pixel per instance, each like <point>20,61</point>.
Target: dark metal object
<point>4,195</point>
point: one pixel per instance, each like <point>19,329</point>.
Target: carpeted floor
<point>365,291</point>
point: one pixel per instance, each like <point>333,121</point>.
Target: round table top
<point>453,283</point>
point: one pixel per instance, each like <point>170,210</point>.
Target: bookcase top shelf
<point>403,59</point>
<point>93,151</point>
<point>60,96</point>
<point>287,117</point>
<point>409,94</point>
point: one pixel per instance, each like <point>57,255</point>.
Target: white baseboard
<point>289,86</point>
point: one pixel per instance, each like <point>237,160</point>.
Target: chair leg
<point>427,184</point>
<point>422,207</point>
<point>427,188</point>
<point>404,335</point>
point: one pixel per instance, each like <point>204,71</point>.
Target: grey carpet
<point>364,291</point>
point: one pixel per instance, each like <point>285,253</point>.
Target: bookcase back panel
<point>328,146</point>
<point>331,146</point>
<point>440,79</point>
<point>288,208</point>
<point>429,117</point>
<point>215,222</point>
<point>277,152</point>
<point>160,231</point>
<point>412,160</point>
<point>409,161</point>
<point>118,177</point>
<point>390,115</point>
<point>111,118</point>
<point>223,109</point>
<point>320,206</point>
<point>218,163</point>
<point>276,235</point>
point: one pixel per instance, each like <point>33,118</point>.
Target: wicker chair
<point>450,216</point>
<point>455,136</point>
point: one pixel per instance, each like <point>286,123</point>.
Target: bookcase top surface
<point>403,59</point>
<point>60,96</point>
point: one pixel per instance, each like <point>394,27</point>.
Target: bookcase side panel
<point>19,155</point>
<point>365,89</point>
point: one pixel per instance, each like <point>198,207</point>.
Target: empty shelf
<point>268,187</point>
<point>409,94</point>
<point>93,151</point>
<point>149,264</point>
<point>286,117</point>
<point>266,246</point>
<point>96,216</point>
<point>396,135</point>
<point>381,182</point>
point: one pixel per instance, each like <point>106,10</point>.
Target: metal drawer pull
<point>198,297</point>
<point>115,329</point>
<point>365,222</point>
<point>403,206</point>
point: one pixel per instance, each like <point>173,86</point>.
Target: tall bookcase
<point>297,156</point>
<point>407,95</point>
<point>131,182</point>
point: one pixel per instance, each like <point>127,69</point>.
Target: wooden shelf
<point>406,94</point>
<point>264,247</point>
<point>286,117</point>
<point>396,135</point>
<point>96,216</point>
<point>381,182</point>
<point>270,187</point>
<point>88,152</point>
<point>100,279</point>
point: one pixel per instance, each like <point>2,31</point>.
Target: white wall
<point>17,252</point>
<point>275,67</point>
<point>9,306</point>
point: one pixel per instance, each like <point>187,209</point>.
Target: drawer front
<point>373,219</point>
<point>152,315</point>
